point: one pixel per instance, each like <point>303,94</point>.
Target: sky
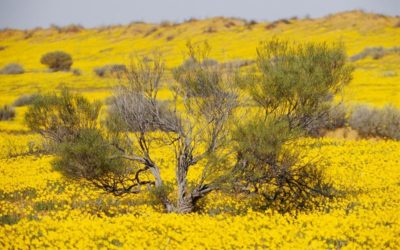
<point>24,14</point>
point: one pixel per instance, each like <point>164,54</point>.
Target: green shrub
<point>9,219</point>
<point>12,69</point>
<point>57,61</point>
<point>6,113</point>
<point>370,121</point>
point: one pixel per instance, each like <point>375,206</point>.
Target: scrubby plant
<point>25,100</point>
<point>196,127</point>
<point>76,72</point>
<point>290,89</point>
<point>7,113</point>
<point>370,122</point>
<point>110,70</point>
<point>375,53</point>
<point>12,69</point>
<point>332,118</point>
<point>57,61</point>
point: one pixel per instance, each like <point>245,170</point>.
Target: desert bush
<point>57,60</point>
<point>110,70</point>
<point>70,123</point>
<point>375,53</point>
<point>290,88</point>
<point>150,31</point>
<point>61,117</point>
<point>277,175</point>
<point>25,100</point>
<point>210,30</point>
<point>12,69</point>
<point>370,122</point>
<point>275,24</point>
<point>9,219</point>
<point>76,72</point>
<point>332,118</point>
<point>71,28</point>
<point>197,75</point>
<point>6,113</point>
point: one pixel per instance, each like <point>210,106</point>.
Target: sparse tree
<point>192,125</point>
<point>290,89</point>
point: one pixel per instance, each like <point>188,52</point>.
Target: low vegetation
<point>12,69</point>
<point>57,61</point>
<point>375,122</point>
<point>196,126</point>
<point>25,100</point>
<point>115,70</point>
<point>6,113</point>
<point>375,53</point>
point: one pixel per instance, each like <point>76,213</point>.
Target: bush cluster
<point>110,70</point>
<point>12,69</point>
<point>374,122</point>
<point>6,113</point>
<point>57,61</point>
<point>375,53</point>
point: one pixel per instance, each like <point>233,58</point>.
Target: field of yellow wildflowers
<point>39,208</point>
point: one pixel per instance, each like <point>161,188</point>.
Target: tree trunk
<point>184,202</point>
<point>158,184</point>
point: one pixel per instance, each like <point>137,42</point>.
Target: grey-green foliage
<point>61,116</point>
<point>296,78</point>
<point>369,121</point>
<point>290,87</point>
<point>25,100</point>
<point>198,75</point>
<point>57,60</point>
<point>333,118</point>
<point>7,113</point>
<point>110,70</point>
<point>82,149</point>
<point>88,155</point>
<point>375,53</point>
<point>12,69</point>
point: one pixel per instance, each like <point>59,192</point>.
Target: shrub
<point>76,72</point>
<point>110,70</point>
<point>57,60</point>
<point>6,113</point>
<point>25,100</point>
<point>291,90</point>
<point>71,28</point>
<point>210,29</point>
<point>9,219</point>
<point>276,23</point>
<point>332,118</point>
<point>12,69</point>
<point>375,53</point>
<point>383,122</point>
<point>62,117</point>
